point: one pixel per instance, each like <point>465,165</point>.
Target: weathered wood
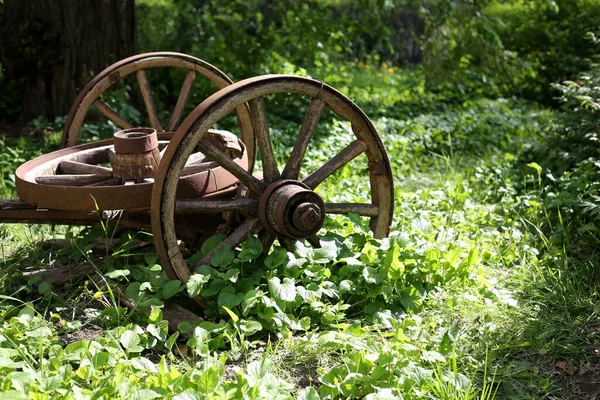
<point>63,275</point>
<point>146,91</point>
<point>199,167</point>
<point>263,139</point>
<point>118,71</point>
<point>192,132</point>
<point>76,167</point>
<point>108,182</point>
<point>111,114</point>
<point>136,166</point>
<point>221,158</point>
<point>309,124</point>
<point>199,206</point>
<point>366,210</point>
<point>70,180</point>
<point>184,93</point>
<point>16,211</point>
<point>352,151</point>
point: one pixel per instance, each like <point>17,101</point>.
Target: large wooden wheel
<point>91,95</point>
<point>277,205</point>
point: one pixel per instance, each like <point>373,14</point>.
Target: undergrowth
<point>474,295</point>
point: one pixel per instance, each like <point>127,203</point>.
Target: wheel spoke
<point>197,168</point>
<point>148,100</point>
<point>309,124</point>
<point>250,225</point>
<point>79,168</point>
<point>287,244</point>
<point>220,158</point>
<point>263,139</point>
<point>353,150</point>
<point>108,182</point>
<point>111,114</point>
<point>314,241</point>
<point>194,206</point>
<point>266,239</point>
<point>69,180</point>
<point>184,93</point>
<point>366,210</point>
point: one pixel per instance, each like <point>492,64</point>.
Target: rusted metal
<point>289,208</point>
<point>41,182</point>
<point>136,155</point>
<point>135,140</point>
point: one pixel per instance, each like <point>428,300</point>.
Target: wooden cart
<point>185,180</point>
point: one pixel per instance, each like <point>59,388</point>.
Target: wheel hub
<point>136,154</point>
<point>289,208</point>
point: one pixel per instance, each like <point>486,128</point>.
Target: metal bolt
<point>306,217</point>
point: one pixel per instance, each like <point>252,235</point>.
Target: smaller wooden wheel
<point>280,205</point>
<point>91,95</point>
<point>118,174</point>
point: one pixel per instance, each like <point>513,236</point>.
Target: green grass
<point>476,294</point>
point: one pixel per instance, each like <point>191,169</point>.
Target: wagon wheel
<point>91,93</point>
<point>279,205</point>
<point>118,174</point>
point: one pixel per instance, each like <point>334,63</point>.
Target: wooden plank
<point>146,91</point>
<point>367,210</point>
<point>111,114</point>
<point>352,151</point>
<point>263,139</point>
<point>184,93</point>
<point>309,124</point>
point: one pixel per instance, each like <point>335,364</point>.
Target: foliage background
<point>487,286</point>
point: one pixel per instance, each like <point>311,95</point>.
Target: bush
<point>515,47</point>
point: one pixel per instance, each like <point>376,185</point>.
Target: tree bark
<point>51,48</point>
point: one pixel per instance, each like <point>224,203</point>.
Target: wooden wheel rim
<point>105,79</point>
<point>102,192</point>
<point>222,103</point>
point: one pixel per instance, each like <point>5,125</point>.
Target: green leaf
<point>223,256</point>
<point>130,340</point>
<point>251,248</point>
<point>371,276</point>
<point>44,287</point>
<point>211,243</point>
<point>195,284</point>
<point>473,258</point>
<point>155,316</point>
<point>151,258</point>
<point>143,394</point>
<point>172,288</point>
<point>229,298</point>
<point>117,273</point>
<point>392,263</point>
<point>171,340</point>
<point>536,167</point>
<point>326,253</point>
<point>234,317</point>
<point>250,327</point>
<point>285,291</point>
<point>368,255</point>
<point>276,258</point>
<point>12,395</point>
<point>209,380</point>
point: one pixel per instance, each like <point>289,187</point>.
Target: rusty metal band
<point>123,197</point>
<point>135,140</point>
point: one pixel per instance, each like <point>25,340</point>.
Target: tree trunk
<point>49,49</point>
